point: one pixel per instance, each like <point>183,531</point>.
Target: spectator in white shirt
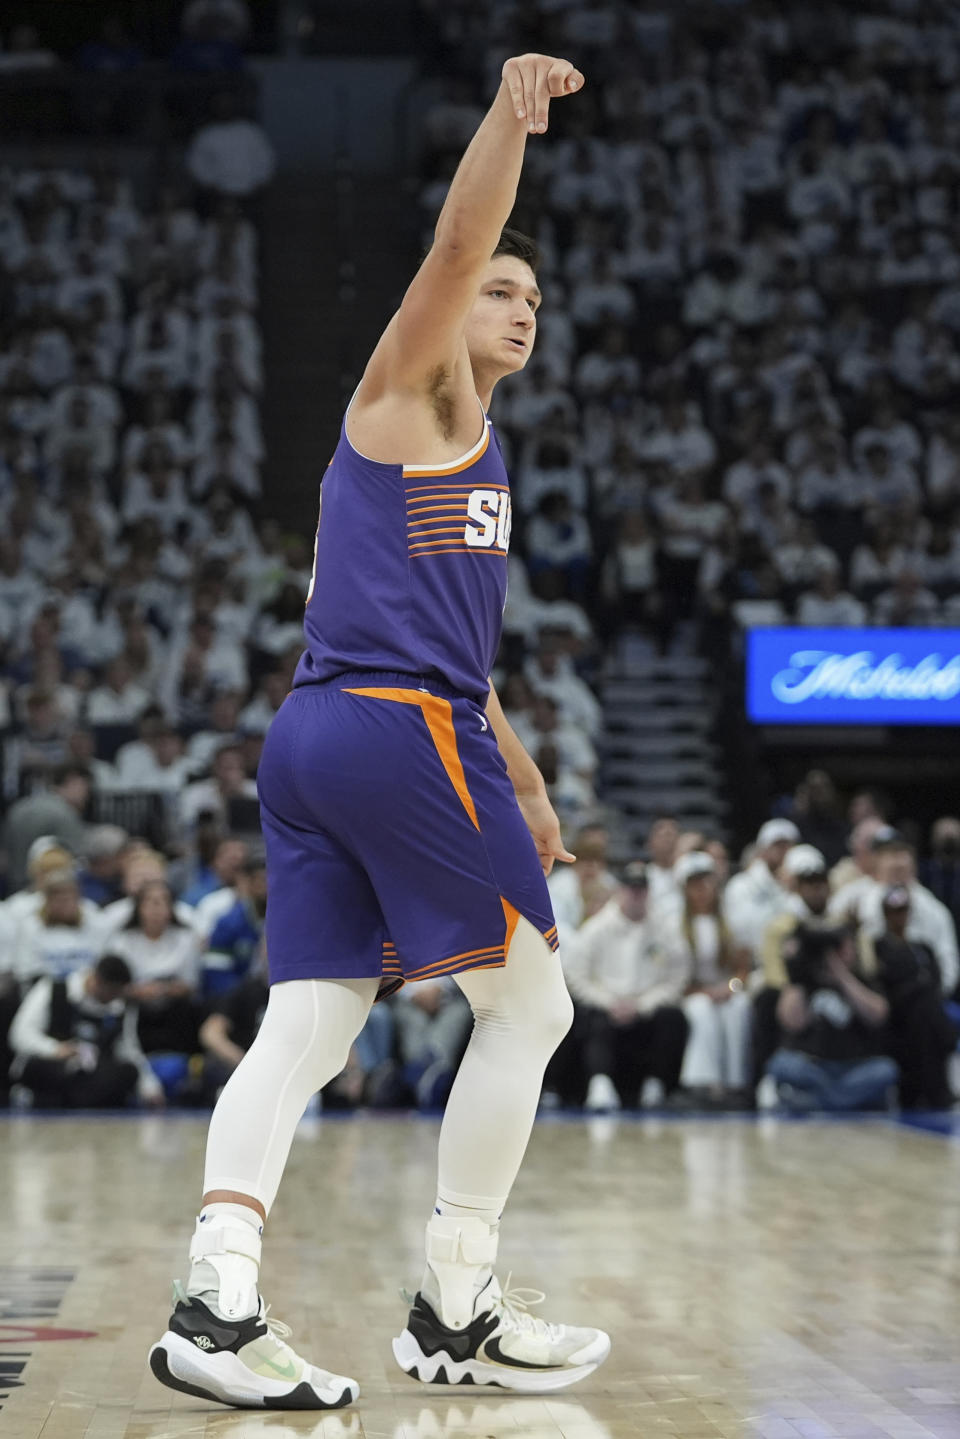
<point>886,482</point>
<point>225,412</point>
<point>156,352</point>
<point>549,463</point>
<point>81,431</point>
<point>230,155</point>
<point>943,463</point>
<point>550,671</point>
<point>225,465</point>
<point>680,440</point>
<point>257,716</point>
<point>118,700</point>
<point>164,958</point>
<point>67,1045</point>
<point>754,898</point>
<point>629,990</point>
<point>222,727</point>
<point>228,781</point>
<point>827,604</point>
<point>716,1061</point>
<point>158,428</point>
<point>197,665</point>
<point>652,258</point>
<point>906,603</point>
<point>600,369</point>
<point>156,491</point>
<point>63,934</point>
<point>574,748</point>
<point>580,890</point>
<point>743,478</point>
<point>898,436</point>
<point>103,403</point>
<point>156,760</point>
<point>559,548</point>
<point>223,530</point>
<point>628,580</point>
<point>878,561</point>
<point>602,297</point>
<point>661,848</point>
<point>87,279</point>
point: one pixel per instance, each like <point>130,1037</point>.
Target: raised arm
<point>423,346</point>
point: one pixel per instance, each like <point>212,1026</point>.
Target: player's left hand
<point>543,824</point>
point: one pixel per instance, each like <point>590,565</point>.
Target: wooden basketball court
<point>759,1277</point>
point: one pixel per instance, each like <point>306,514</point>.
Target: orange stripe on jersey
<point>438,714</point>
<point>419,470</point>
<point>423,536</point>
<point>450,495</point>
<point>453,547</point>
<point>448,507</point>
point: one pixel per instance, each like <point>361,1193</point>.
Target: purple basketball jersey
<point>410,572</point>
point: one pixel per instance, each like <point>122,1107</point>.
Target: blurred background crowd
<point>742,411</point>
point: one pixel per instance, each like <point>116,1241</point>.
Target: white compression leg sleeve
<point>521,1013</point>
<point>303,1042</point>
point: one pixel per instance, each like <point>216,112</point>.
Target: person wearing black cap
<point>921,1036</point>
<point>929,921</point>
<point>833,1020</point>
<point>629,989</point>
<point>804,873</point>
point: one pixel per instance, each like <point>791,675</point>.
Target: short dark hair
<point>66,772</point>
<point>113,969</point>
<point>521,246</point>
<point>511,242</point>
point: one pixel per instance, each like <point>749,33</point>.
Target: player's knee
<point>559,1016</point>
<point>549,1022</point>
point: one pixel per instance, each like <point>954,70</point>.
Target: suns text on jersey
<point>489,520</point>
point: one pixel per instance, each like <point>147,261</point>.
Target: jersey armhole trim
<point>436,469</point>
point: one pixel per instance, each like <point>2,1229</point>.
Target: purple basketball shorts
<point>395,845</point>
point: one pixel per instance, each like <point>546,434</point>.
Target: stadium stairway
<point>658,754</point>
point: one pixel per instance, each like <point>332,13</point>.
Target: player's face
<point>503,322</point>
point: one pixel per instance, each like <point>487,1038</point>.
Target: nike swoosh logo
<point>483,724</point>
<point>286,1371</point>
<point>493,1352</point>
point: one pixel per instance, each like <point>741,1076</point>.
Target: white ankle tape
<point>460,1252</point>
<point>211,1239</point>
<point>452,1240</point>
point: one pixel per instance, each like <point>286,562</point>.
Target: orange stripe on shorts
<point>438,714</point>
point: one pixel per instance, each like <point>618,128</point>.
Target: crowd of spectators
<point>742,406</point>
<point>805,979</point>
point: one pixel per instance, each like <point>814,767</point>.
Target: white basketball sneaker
<point>220,1344</point>
<point>463,1329</point>
<point>245,1363</point>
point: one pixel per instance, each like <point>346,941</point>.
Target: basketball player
<point>408,833</point>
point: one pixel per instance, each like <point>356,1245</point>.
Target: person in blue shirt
<point>218,870</point>
<point>237,933</point>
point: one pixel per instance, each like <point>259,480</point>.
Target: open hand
<point>543,824</point>
<point>535,80</point>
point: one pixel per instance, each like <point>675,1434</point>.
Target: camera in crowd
<point>805,953</point>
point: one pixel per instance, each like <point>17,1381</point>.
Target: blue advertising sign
<point>853,676</point>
